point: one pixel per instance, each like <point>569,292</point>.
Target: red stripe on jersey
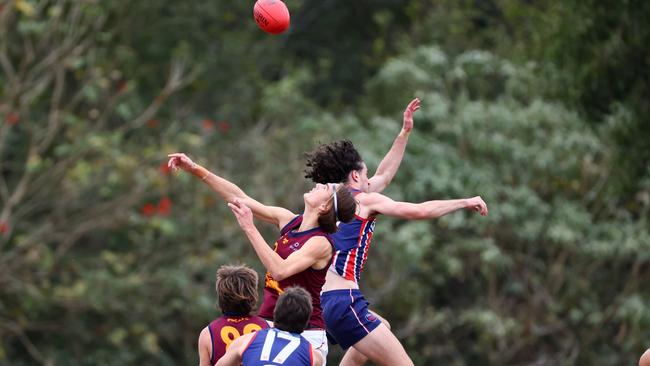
<point>350,271</point>
<point>349,266</point>
<point>365,251</point>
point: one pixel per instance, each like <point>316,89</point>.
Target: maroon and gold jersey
<point>310,279</point>
<point>224,330</point>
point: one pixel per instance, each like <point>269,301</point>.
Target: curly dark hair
<point>333,162</point>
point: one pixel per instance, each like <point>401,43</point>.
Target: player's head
<point>293,310</point>
<point>236,289</point>
<point>322,198</point>
<point>337,162</point>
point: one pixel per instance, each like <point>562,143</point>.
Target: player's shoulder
<point>204,337</point>
<point>205,331</point>
<point>319,243</point>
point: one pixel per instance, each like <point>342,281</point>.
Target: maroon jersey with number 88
<point>226,329</point>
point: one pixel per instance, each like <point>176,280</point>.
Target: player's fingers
<point>172,164</point>
<point>235,210</point>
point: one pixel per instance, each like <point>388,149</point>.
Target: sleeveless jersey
<point>224,330</point>
<point>270,347</point>
<point>310,279</point>
<point>351,243</point>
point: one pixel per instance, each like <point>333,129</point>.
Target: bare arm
<point>391,162</point>
<point>235,352</point>
<point>205,347</point>
<point>377,203</point>
<point>229,191</point>
<point>317,250</point>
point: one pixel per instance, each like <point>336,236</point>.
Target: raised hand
<point>180,161</point>
<point>477,204</point>
<point>408,114</point>
<point>242,213</point>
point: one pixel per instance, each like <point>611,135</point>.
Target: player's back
<point>224,330</point>
<point>272,346</point>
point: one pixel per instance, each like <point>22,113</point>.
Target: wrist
<point>199,171</point>
<point>249,230</point>
<point>404,133</point>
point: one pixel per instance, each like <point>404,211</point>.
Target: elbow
<point>279,274</point>
<point>418,214</point>
<point>424,215</point>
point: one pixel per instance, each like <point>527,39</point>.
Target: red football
<point>272,16</point>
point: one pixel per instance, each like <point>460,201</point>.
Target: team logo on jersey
<point>371,317</point>
<point>294,246</point>
<point>272,284</point>
<point>236,320</point>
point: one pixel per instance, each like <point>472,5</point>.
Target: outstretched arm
<point>379,204</point>
<point>229,191</point>
<point>316,250</point>
<point>389,165</point>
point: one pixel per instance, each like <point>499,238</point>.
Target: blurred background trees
<point>540,107</point>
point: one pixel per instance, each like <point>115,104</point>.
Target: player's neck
<point>353,185</point>
<point>309,220</point>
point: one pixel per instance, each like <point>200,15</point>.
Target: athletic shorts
<point>318,341</point>
<point>347,317</point>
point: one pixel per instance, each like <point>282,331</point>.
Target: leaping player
<point>346,313</point>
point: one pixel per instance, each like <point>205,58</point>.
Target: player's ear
<point>354,176</point>
<point>323,208</point>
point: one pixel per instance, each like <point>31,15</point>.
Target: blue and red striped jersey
<point>351,243</point>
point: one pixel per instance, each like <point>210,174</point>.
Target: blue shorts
<point>347,317</point>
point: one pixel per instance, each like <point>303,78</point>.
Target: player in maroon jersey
<point>362,332</point>
<point>237,297</point>
<point>302,254</point>
<point>282,344</point>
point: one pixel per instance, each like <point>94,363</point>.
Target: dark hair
<point>292,310</point>
<point>236,289</point>
<point>345,207</point>
<point>333,162</point>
